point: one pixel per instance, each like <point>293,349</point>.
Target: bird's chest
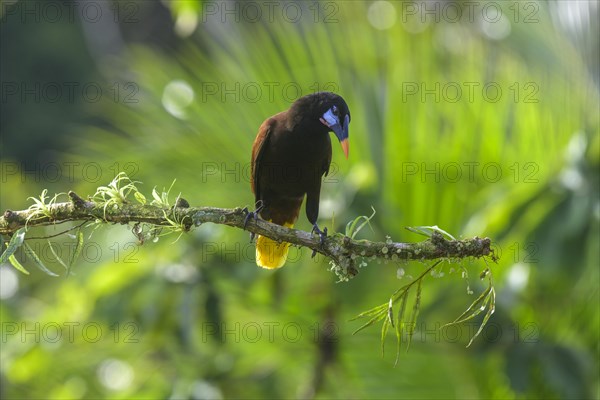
<point>294,164</point>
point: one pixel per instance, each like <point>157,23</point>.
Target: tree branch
<point>345,252</point>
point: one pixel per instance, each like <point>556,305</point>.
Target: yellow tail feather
<point>271,254</point>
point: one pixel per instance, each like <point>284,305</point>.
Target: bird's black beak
<point>340,130</point>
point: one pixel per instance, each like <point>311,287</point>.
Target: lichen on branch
<point>342,250</point>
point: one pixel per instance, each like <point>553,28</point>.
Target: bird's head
<point>331,111</point>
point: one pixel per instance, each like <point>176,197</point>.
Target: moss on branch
<point>342,250</point>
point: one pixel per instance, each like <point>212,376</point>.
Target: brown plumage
<point>290,155</point>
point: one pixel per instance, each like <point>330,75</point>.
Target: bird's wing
<point>258,151</point>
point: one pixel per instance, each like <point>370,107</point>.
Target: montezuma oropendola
<point>291,153</point>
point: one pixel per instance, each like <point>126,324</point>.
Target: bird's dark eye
<point>335,110</point>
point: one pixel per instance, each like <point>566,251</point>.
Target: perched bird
<point>290,155</point>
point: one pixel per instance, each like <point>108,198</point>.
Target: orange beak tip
<point>345,147</point>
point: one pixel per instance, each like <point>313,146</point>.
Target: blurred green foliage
<point>481,126</point>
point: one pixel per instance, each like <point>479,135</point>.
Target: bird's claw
<point>322,235</point>
<point>249,215</point>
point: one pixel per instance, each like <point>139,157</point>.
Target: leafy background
<point>185,86</point>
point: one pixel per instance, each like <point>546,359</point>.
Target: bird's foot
<point>322,235</point>
<point>251,215</point>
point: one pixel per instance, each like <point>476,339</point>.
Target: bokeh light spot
<point>9,282</point>
<point>177,96</point>
<point>382,15</point>
<point>115,374</point>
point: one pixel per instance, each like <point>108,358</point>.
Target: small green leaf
<point>156,196</point>
<point>38,262</point>
<point>419,231</point>
<point>400,325</point>
<point>428,231</point>
<point>78,248</point>
<point>413,316</point>
<point>474,309</point>
<point>384,330</point>
<point>15,263</point>
<point>140,198</point>
<point>15,242</point>
<point>60,260</point>
<point>367,221</point>
<point>390,314</point>
<point>351,228</point>
<point>376,318</point>
<point>400,292</point>
<point>371,312</point>
<point>486,300</point>
<point>491,309</point>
